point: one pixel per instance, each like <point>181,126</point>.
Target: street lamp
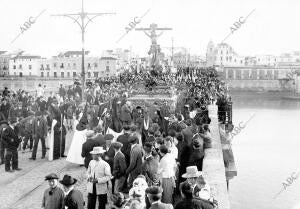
<point>83,19</point>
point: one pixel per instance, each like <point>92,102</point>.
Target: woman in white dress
<point>79,137</point>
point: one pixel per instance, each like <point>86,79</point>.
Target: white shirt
<point>167,166</point>
<point>174,151</point>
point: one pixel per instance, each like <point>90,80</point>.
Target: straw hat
<point>97,150</point>
<point>192,172</point>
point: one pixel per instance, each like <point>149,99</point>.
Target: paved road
<point>24,189</point>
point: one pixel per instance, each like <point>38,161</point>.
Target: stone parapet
<point>213,163</point>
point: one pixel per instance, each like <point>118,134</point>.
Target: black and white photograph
<point>148,104</point>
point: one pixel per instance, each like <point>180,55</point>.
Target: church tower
<point>210,54</point>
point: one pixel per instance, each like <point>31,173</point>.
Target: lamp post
<point>83,19</point>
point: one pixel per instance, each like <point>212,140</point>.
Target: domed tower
<point>210,55</point>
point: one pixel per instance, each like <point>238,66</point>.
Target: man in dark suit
<point>40,130</point>
<point>154,195</point>
<point>74,198</point>
<point>88,146</point>
<point>119,167</point>
<point>136,160</point>
<point>187,132</point>
<point>11,143</point>
<point>125,116</point>
<point>124,139</point>
<point>3,126</point>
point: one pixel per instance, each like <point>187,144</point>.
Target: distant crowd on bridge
<point>135,156</point>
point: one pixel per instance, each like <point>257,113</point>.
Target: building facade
<point>4,63</point>
<point>68,65</point>
<point>222,55</point>
<point>24,65</point>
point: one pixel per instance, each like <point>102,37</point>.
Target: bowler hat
<point>108,137</point>
<point>51,176</point>
<point>68,180</point>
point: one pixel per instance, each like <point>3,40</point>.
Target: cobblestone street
<point>24,189</point>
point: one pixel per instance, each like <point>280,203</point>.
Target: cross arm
<point>164,29</point>
<point>71,16</point>
<point>143,29</point>
<point>94,15</point>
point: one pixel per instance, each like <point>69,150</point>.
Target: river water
<point>266,152</point>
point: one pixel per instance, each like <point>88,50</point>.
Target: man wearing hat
<point>73,197</point>
<point>186,111</point>
<point>99,176</point>
<point>136,160</point>
<point>11,143</point>
<point>53,196</point>
<point>88,146</point>
<point>154,195</point>
<point>124,139</point>
<point>196,153</point>
<point>195,178</point>
<point>40,131</point>
<point>3,126</point>
<point>119,167</point>
<point>189,201</point>
<point>150,165</point>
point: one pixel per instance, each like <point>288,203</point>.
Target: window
<point>230,74</point>
<point>254,74</point>
<point>30,67</point>
<point>269,74</point>
<point>74,65</point>
<point>261,74</point>
<point>20,66</point>
<point>21,74</point>
<point>89,74</point>
<point>238,74</point>
<point>48,67</point>
<point>47,74</point>
<point>241,61</point>
<point>55,65</point>
<point>276,73</point>
<point>74,74</point>
<point>62,74</point>
<point>14,67</point>
<point>89,65</point>
<point>42,74</point>
<point>55,75</point>
<point>69,65</point>
<point>68,74</point>
<point>96,74</point>
<point>29,73</point>
<point>15,73</point>
<point>107,68</point>
<point>246,74</point>
<point>107,62</point>
<point>95,64</point>
<point>62,65</point>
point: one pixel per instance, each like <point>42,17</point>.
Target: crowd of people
<point>134,158</point>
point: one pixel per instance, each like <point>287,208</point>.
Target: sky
<point>273,27</point>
